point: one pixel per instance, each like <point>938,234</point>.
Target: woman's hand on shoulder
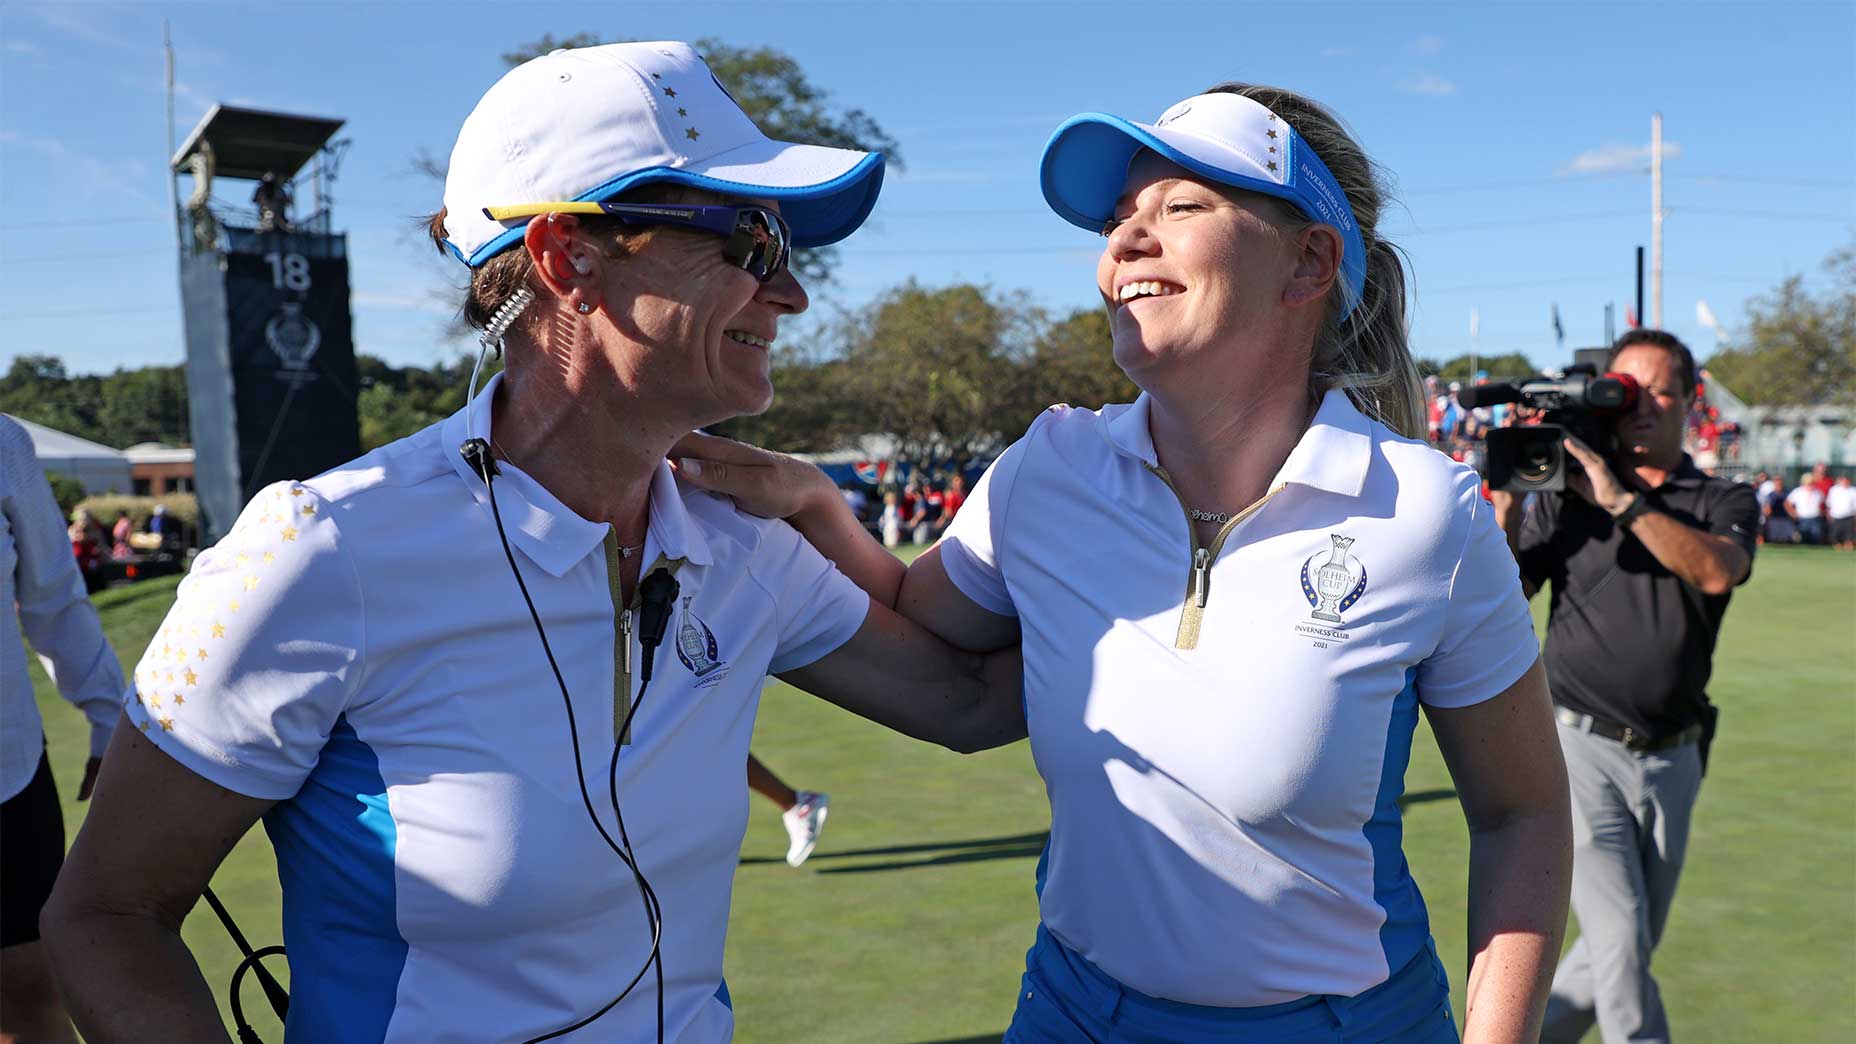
<point>761,482</point>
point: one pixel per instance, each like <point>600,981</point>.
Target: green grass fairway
<point>910,923</point>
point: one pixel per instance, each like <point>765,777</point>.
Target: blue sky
<point>1518,134</point>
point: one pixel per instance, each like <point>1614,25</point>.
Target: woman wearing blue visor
<point>1235,595</point>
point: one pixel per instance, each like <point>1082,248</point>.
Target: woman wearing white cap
<point>1234,597</point>
<point>427,669</point>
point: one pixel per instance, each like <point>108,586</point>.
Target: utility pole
<point>1656,221</point>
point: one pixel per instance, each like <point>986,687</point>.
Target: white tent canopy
<point>100,468</point>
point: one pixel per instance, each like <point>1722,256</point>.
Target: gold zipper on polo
<point>622,641</point>
<point>1199,578</point>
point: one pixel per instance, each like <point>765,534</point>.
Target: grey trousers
<point>1630,820</point>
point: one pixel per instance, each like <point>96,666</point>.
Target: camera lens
<point>1536,460</point>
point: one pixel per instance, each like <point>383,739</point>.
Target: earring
<point>585,309</point>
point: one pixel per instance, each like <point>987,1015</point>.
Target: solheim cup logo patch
<point>697,649</point>
<point>1334,586</point>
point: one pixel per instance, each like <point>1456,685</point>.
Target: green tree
<point>397,401</point>
<point>37,388</point>
<point>1799,348</point>
<point>937,369</point>
<point>145,405</point>
<point>775,93</point>
<point>66,490</point>
<point>1507,366</point>
<point>1072,361</point>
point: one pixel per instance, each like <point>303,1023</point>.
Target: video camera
<point>1577,400</point>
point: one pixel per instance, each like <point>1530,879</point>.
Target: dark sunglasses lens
<point>759,243</point>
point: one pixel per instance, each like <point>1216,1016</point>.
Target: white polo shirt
<point>1224,748</point>
<point>357,650</point>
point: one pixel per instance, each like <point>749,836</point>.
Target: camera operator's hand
<point>1596,482</point>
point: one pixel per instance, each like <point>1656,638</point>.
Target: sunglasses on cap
<point>755,239</point>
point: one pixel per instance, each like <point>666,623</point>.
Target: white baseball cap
<point>586,124</point>
<point>1227,138</point>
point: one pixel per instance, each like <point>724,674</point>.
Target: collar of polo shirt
<point>1332,455</point>
<point>550,533</point>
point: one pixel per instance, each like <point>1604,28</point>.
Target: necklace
<point>624,551</point>
<point>1219,517</point>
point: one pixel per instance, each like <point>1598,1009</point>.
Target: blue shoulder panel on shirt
<point>1407,927</point>
<point>335,843</point>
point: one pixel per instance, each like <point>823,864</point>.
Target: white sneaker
<point>803,822</point>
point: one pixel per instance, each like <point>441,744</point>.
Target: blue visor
<point>1225,138</point>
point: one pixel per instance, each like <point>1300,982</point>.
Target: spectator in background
<point>859,504</point>
<point>1434,408</point>
<point>87,547</point>
<point>44,602</point>
<point>1766,489</point>
<point>955,496</point>
<point>1781,527</point>
<point>1806,505</point>
<point>891,522</point>
<point>1820,478</point>
<point>162,526</point>
<point>119,536</point>
<point>1840,505</point>
<point>929,521</point>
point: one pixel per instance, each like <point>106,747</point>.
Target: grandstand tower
<point>271,379</point>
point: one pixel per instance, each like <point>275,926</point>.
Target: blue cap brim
<point>819,215</point>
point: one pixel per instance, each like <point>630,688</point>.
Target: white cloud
<point>1427,83</point>
<point>1426,46</point>
<point>113,176</point>
<point>1616,159</point>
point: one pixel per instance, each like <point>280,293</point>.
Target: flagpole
<point>1656,222</point>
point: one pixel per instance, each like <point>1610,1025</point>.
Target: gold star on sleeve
<point>690,132</point>
<point>153,701</point>
<point>143,728</point>
<point>309,509</point>
<point>243,560</point>
<point>296,491</point>
<point>251,583</point>
<point>167,724</point>
<point>269,558</point>
<point>192,678</point>
<point>289,533</point>
<point>671,91</point>
<point>202,654</point>
<point>219,629</point>
<point>179,699</point>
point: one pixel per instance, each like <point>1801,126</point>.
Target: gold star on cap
<point>691,134</point>
<point>670,91</point>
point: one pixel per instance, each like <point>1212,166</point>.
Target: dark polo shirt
<point>1627,640</point>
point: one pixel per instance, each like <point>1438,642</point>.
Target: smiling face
<point>706,325</point>
<point>1188,267</point>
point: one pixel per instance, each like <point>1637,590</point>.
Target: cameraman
<point>1643,553</point>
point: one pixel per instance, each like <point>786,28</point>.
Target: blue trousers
<point>1063,999</point>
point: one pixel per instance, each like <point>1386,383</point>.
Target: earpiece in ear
<point>582,265</point>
